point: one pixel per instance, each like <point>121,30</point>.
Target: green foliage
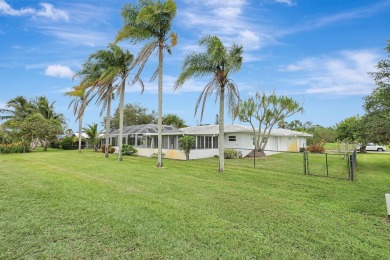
<point>350,129</point>
<point>186,143</point>
<point>134,114</point>
<point>128,150</point>
<point>15,147</point>
<point>155,155</point>
<point>67,143</point>
<point>93,135</point>
<point>55,144</point>
<point>377,105</point>
<point>230,154</point>
<point>173,120</point>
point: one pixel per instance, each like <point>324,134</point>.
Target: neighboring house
<point>240,138</point>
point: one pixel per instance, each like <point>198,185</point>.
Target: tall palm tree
<point>118,64</point>
<point>218,62</point>
<point>79,104</point>
<point>150,21</point>
<point>93,135</point>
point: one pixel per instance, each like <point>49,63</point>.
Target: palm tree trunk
<point>221,137</point>
<point>80,129</point>
<point>108,121</point>
<point>160,91</point>
<point>120,137</point>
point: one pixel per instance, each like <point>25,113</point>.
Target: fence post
<point>351,164</point>
<point>327,168</point>
<point>305,170</point>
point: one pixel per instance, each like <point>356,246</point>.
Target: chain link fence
<point>333,165</point>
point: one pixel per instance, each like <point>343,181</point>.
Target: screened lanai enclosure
<point>140,136</point>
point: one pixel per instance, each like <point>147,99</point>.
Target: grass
<point>61,204</point>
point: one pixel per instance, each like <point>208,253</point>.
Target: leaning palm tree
<point>218,62</point>
<point>121,64</point>
<point>150,21</point>
<point>79,103</point>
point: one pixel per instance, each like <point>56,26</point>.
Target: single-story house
<point>240,138</point>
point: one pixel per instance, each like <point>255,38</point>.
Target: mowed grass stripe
<point>65,204</point>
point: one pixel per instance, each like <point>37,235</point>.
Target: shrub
<point>111,149</point>
<point>128,150</point>
<point>316,148</point>
<point>230,154</point>
<point>67,143</point>
<point>15,147</point>
<point>55,144</point>
<point>155,155</point>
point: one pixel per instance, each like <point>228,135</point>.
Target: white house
<point>237,137</point>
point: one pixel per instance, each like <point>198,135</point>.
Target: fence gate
<point>336,165</point>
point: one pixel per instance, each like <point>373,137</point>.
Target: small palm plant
<point>93,135</point>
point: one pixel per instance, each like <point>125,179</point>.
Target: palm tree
<point>93,135</point>
<point>17,108</point>
<point>116,66</point>
<point>79,103</point>
<point>150,21</point>
<point>217,62</point>
<point>46,109</point>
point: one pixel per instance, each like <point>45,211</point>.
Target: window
<point>208,143</point>
<point>232,138</point>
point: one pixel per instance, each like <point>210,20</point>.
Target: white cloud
<point>8,10</point>
<point>287,2</point>
<point>59,71</point>
<point>343,73</point>
<point>47,11</point>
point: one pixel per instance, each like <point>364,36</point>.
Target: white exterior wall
<point>179,154</point>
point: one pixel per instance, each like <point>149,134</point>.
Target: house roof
<point>83,135</point>
<point>143,129</point>
<point>214,130</point>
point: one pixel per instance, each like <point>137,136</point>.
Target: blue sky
<point>315,51</point>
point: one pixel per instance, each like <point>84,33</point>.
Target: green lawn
<point>61,204</point>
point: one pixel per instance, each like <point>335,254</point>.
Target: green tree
<point>93,135</point>
<point>266,111</point>
<point>377,105</point>
<point>150,21</point>
<point>36,128</point>
<point>134,114</point>
<point>173,120</point>
<point>349,129</point>
<point>186,143</point>
<point>219,63</point>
